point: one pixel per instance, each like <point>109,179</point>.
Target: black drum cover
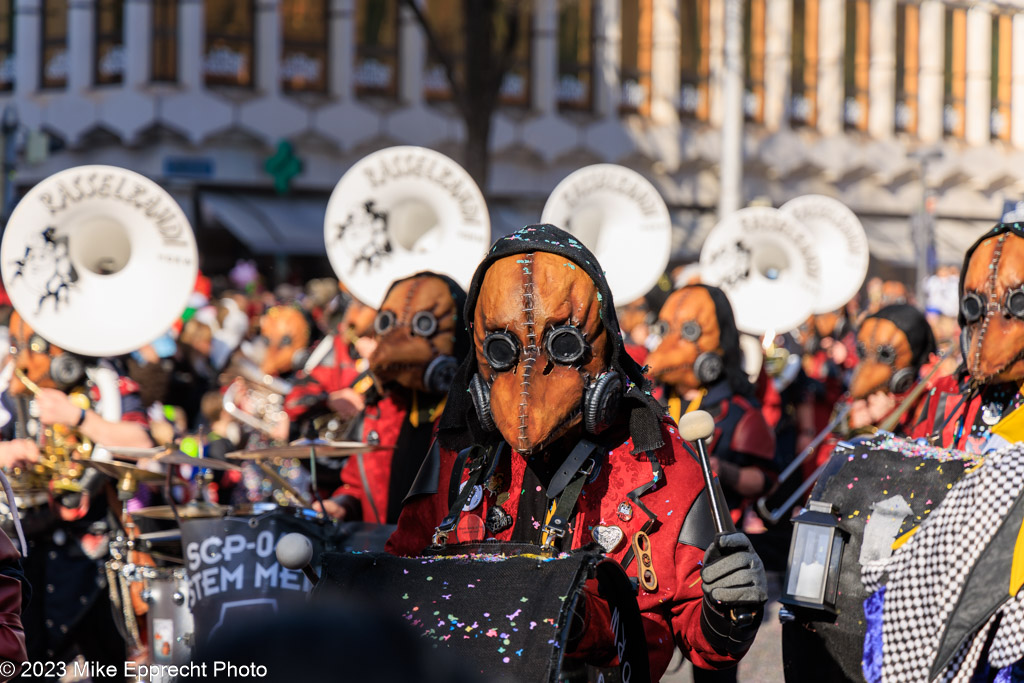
<point>234,576</point>
<point>506,615</point>
<point>821,648</point>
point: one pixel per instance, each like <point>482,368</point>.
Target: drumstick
<point>695,427</point>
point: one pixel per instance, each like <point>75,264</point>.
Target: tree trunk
<point>476,154</point>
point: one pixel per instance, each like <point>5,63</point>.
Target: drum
<point>168,618</point>
<point>912,480</point>
<point>512,606</point>
<point>233,573</point>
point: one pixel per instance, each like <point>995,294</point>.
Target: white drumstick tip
<point>294,551</point>
<point>696,425</point>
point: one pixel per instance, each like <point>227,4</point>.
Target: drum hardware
<point>170,456</point>
<point>773,515</point>
<point>129,477</point>
<point>188,511</point>
<point>695,427</point>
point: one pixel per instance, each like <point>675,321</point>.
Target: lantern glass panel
<point>811,545</point>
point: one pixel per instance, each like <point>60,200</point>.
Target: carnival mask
<point>415,331</point>
<point>542,349</point>
<point>44,364</point>
<point>992,307</point>
<point>286,332</point>
<point>690,354</point>
<point>886,360</point>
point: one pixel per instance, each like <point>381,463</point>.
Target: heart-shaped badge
<point>608,537</point>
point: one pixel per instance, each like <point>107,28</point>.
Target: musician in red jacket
<point>419,345</point>
<point>962,409</point>
<point>700,364</point>
<point>579,453</point>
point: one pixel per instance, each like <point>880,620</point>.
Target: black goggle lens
<point>1015,302</point>
<point>501,351</point>
<point>659,329</point>
<point>691,331</point>
<point>972,307</point>
<point>424,324</point>
<point>565,345</point>
<point>886,354</point>
<point>383,323</point>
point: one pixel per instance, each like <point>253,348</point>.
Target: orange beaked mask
<point>415,331</point>
<point>539,341</point>
<point>992,309</point>
<point>287,333</point>
<point>690,353</point>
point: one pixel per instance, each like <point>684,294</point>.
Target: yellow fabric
<point>547,520</point>
<point>1011,427</point>
<point>675,405</point>
<point>904,538</point>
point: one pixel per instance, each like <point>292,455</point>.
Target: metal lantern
<point>815,555</point>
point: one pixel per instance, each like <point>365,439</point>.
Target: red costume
<point>671,614</point>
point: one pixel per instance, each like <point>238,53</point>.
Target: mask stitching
<point>530,352</point>
<point>990,309</point>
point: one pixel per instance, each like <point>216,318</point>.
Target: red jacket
<point>338,371</point>
<point>382,423</point>
<point>671,613</point>
<point>947,411</point>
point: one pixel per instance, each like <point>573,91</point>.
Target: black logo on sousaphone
<point>366,232</point>
<point>46,268</point>
<point>733,261</point>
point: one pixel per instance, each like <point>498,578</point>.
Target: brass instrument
<point>255,398</point>
<point>60,466</point>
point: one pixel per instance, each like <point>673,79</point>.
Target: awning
<point>267,224</point>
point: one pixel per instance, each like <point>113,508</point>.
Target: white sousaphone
<point>620,216</point>
<point>768,265</point>
<point>841,242</point>
<point>99,260</point>
<point>402,210</point>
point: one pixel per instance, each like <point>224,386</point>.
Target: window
<point>54,63</point>
<point>753,54</point>
<point>109,64</point>
<point>907,66</point>
<point>165,41</point>
<point>376,71</point>
<point>445,19</point>
<point>304,61</point>
<point>856,64</point>
<point>229,43</point>
<point>6,44</point>
<point>803,107</point>
<point>694,67</point>
<point>1002,54</point>
<point>575,54</point>
<point>635,61</point>
<point>955,72</point>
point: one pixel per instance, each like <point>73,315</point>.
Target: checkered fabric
<point>925,577</point>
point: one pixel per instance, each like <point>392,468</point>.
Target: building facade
<point>875,102</point>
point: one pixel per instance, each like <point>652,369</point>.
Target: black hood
<point>729,341</point>
<point>915,326</point>
<point>459,427</point>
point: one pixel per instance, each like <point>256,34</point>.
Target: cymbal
<point>117,470</point>
<point>179,458</point>
<point>300,449</point>
<point>133,453</point>
<point>189,511</point>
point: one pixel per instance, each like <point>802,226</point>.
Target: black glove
<point>735,591</point>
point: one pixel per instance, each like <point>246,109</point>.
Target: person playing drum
<point>581,453</point>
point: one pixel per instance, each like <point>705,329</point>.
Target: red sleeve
<point>420,516</point>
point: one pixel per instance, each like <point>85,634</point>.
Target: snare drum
<point>169,621</point>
